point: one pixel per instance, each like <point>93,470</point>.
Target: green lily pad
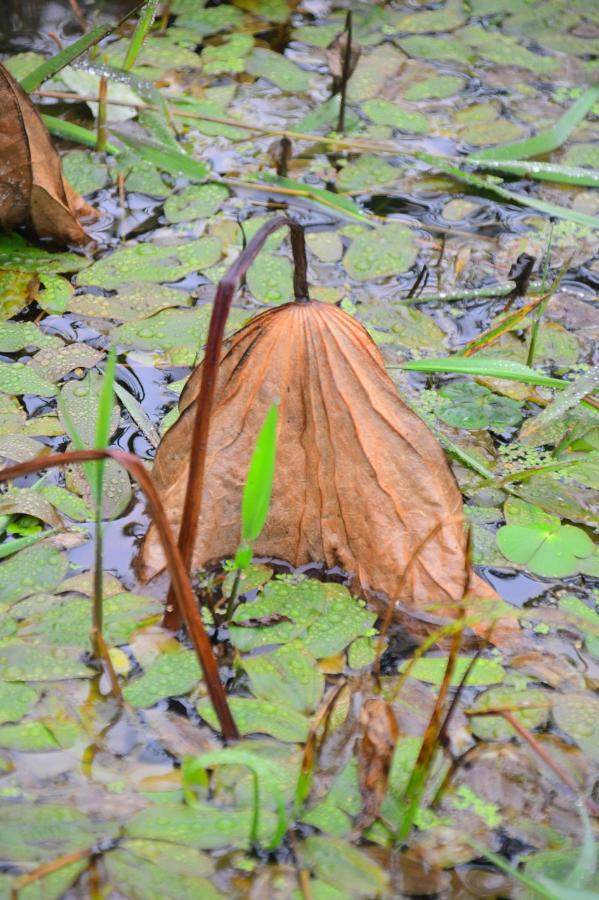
<point>84,172</point>
<point>17,254</point>
<point>80,400</point>
<point>23,661</point>
<point>432,670</point>
<point>68,503</point>
<point>134,302</point>
<point>288,677</point>
<point>170,675</point>
<point>550,550</point>
<point>28,737</point>
<point>326,245</point>
<point>15,701</point>
<point>366,173</point>
<point>143,877</point>
<point>88,83</point>
<point>343,866</point>
<point>31,571</point>
<point>195,202</point>
<point>440,48</point>
<point>204,827</point>
<point>577,713</point>
<point>206,21</point>
<point>531,707</point>
<point>362,652</point>
<point>379,252</point>
<point>213,109</point>
<point>472,406</point>
<point>152,263</point>
<point>383,112</point>
<point>144,178</point>
<point>576,607</point>
<point>255,716</point>
<point>373,71</point>
<point>448,18</point>
<point>505,50</point>
<point>228,56</point>
<point>18,335</point>
<point>325,617</point>
<point>68,623</point>
<point>55,364</point>
<point>56,293</point>
<point>270,278</point>
<point>437,87</point>
<point>275,67</point>
<point>17,378</point>
<point>51,831</point>
<point>50,887</point>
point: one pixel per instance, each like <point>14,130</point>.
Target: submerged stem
<point>192,506</point>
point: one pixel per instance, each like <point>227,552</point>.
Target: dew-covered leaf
<point>256,716</point>
<point>24,661</point>
<point>51,830</point>
<point>170,675</point>
<point>17,289</point>
<point>227,56</point>
<point>204,827</point>
<point>270,279</point>
<point>27,502</point>
<point>84,172</point>
<point>387,250</point>
<point>288,677</point>
<point>436,87</point>
<point>195,202</point>
<point>18,335</point>
<point>531,707</point>
<point>16,700</point>
<point>432,670</point>
<point>80,401</point>
<point>134,302</point>
<point>143,877</point>
<point>54,364</point>
<point>18,378</point>
<point>577,714</point>
<point>17,254</point>
<point>343,866</point>
<point>367,173</point>
<point>326,245</point>
<point>373,70</point>
<point>152,263</point>
<point>144,178</point>
<point>68,503</point>
<point>275,67</point>
<point>36,569</point>
<point>20,448</point>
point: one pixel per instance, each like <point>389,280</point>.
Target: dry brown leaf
<point>360,481</point>
<point>375,755</point>
<point>33,190</point>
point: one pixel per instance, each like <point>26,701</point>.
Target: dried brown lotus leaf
<point>360,481</point>
<point>33,190</point>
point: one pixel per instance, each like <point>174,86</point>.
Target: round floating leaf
<point>432,670</point>
<point>373,71</point>
<point>379,252</point>
<point>344,867</point>
<point>16,254</point>
<point>17,335</point>
<point>22,661</point>
<point>275,67</point>
<point>152,263</point>
<point>19,448</point>
<point>270,279</point>
<point>134,302</point>
<point>206,21</point>
<point>56,293</point>
<point>553,551</point>
<point>366,173</point>
<point>56,363</point>
<point>195,202</point>
<point>17,378</point>
<point>437,87</point>
<point>32,571</point>
<point>326,245</point>
<point>382,112</point>
<point>287,677</point>
<point>472,406</point>
<point>84,172</point>
<point>144,178</point>
<point>530,707</point>
<point>577,714</point>
<point>254,716</point>
<point>15,701</point>
<point>325,617</point>
<point>170,675</point>
<point>228,56</point>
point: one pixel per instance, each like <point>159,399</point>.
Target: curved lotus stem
<point>225,292</point>
<point>181,585</point>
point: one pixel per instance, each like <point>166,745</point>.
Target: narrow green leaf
<point>258,484</point>
<point>486,367</point>
<point>144,24</point>
<point>166,159</point>
<point>541,171</point>
<point>76,133</point>
<point>57,62</point>
<point>103,421</point>
<point>548,140</point>
<point>137,413</point>
<point>7,548</point>
<point>342,205</point>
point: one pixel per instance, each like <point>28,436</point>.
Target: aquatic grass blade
<point>182,590</point>
<point>258,484</point>
<point>137,413</point>
<point>485,367</point>
<point>76,133</point>
<point>164,158</point>
<point>548,140</point>
<point>10,547</point>
<point>141,29</point>
<point>541,171</point>
<point>105,401</point>
<point>342,205</point>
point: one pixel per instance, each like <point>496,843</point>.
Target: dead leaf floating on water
<point>360,481</point>
<point>33,190</point>
<point>375,755</point>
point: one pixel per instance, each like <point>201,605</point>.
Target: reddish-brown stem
<point>192,506</point>
<point>181,585</point>
<point>345,73</point>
